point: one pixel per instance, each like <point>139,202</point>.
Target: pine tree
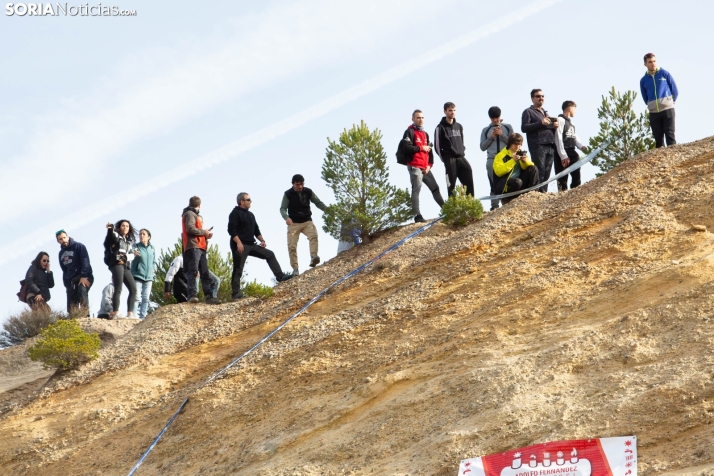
<point>628,133</point>
<point>355,167</point>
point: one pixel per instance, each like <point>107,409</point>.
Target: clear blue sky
<point>96,109</point>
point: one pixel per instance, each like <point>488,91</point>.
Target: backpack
<point>22,295</point>
<point>403,156</point>
<point>107,254</point>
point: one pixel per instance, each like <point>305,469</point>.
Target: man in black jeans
<point>449,139</point>
<point>244,230</point>
<point>540,133</point>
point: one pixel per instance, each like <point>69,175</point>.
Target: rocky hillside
<point>583,314</point>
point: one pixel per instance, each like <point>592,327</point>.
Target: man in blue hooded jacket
<point>659,91</point>
<point>76,271</point>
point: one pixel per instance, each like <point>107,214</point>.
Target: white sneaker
<point>296,272</point>
<point>133,316</point>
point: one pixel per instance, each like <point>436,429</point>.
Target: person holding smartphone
<point>39,280</point>
<point>513,169</point>
<point>493,139</point>
<point>195,242</point>
<point>540,132</point>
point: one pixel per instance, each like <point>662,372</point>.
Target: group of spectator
<point>552,143</point>
<point>131,259</point>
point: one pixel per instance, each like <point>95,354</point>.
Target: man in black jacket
<point>244,230</point>
<point>449,145</point>
<point>295,210</point>
<point>540,133</point>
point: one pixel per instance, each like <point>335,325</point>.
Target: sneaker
<point>212,300</point>
<point>314,261</point>
<point>285,277</point>
<point>237,297</point>
<point>193,300</point>
<point>296,272</point>
<point>419,219</point>
<point>132,316</point>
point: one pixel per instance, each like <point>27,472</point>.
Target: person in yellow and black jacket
<point>513,169</point>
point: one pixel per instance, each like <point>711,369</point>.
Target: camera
<point>521,153</point>
<point>553,122</point>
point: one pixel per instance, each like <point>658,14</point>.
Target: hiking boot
<point>237,296</point>
<point>296,272</point>
<point>193,300</point>
<point>314,261</point>
<point>285,277</point>
<point>419,219</point>
<point>212,300</point>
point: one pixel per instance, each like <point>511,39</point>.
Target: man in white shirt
<point>566,141</point>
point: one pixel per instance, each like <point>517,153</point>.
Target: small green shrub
<point>28,323</point>
<point>255,289</point>
<point>461,209</point>
<point>64,345</point>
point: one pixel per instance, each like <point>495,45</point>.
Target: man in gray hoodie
<point>493,140</point>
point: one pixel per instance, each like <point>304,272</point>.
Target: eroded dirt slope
<point>584,314</point>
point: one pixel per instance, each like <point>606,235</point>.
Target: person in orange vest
<point>195,241</point>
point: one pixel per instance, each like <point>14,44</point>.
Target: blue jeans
<point>215,283</point>
<point>142,297</point>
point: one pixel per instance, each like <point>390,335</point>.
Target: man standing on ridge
<point>295,210</point>
<point>76,271</point>
<point>540,134</point>
<point>659,91</point>
<point>449,145</point>
<point>566,141</point>
<point>415,143</point>
<point>244,230</point>
<point>493,140</point>
<point>195,242</point>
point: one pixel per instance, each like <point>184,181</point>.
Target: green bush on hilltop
<point>461,209</point>
<point>255,289</point>
<point>64,345</point>
<point>28,323</point>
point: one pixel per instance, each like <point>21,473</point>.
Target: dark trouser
<point>417,177</point>
<point>662,124</point>
<point>459,168</point>
<point>122,274</point>
<point>527,179</point>
<point>194,262</point>
<point>574,175</point>
<point>239,263</point>
<point>78,296</point>
<point>543,156</point>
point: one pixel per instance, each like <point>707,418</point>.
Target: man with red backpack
<point>415,149</point>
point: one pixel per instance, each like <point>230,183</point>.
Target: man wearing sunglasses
<point>244,230</point>
<point>76,271</point>
<point>540,134</point>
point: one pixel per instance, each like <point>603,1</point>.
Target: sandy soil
<point>584,314</point>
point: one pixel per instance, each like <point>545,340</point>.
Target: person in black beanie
<point>244,230</point>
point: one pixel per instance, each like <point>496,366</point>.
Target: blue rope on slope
<point>222,371</point>
<point>274,331</point>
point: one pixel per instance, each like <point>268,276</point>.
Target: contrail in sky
<point>35,239</point>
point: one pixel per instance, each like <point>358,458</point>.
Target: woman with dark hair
<point>39,280</point>
<point>118,254</point>
<point>142,268</point>
<point>512,169</point>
